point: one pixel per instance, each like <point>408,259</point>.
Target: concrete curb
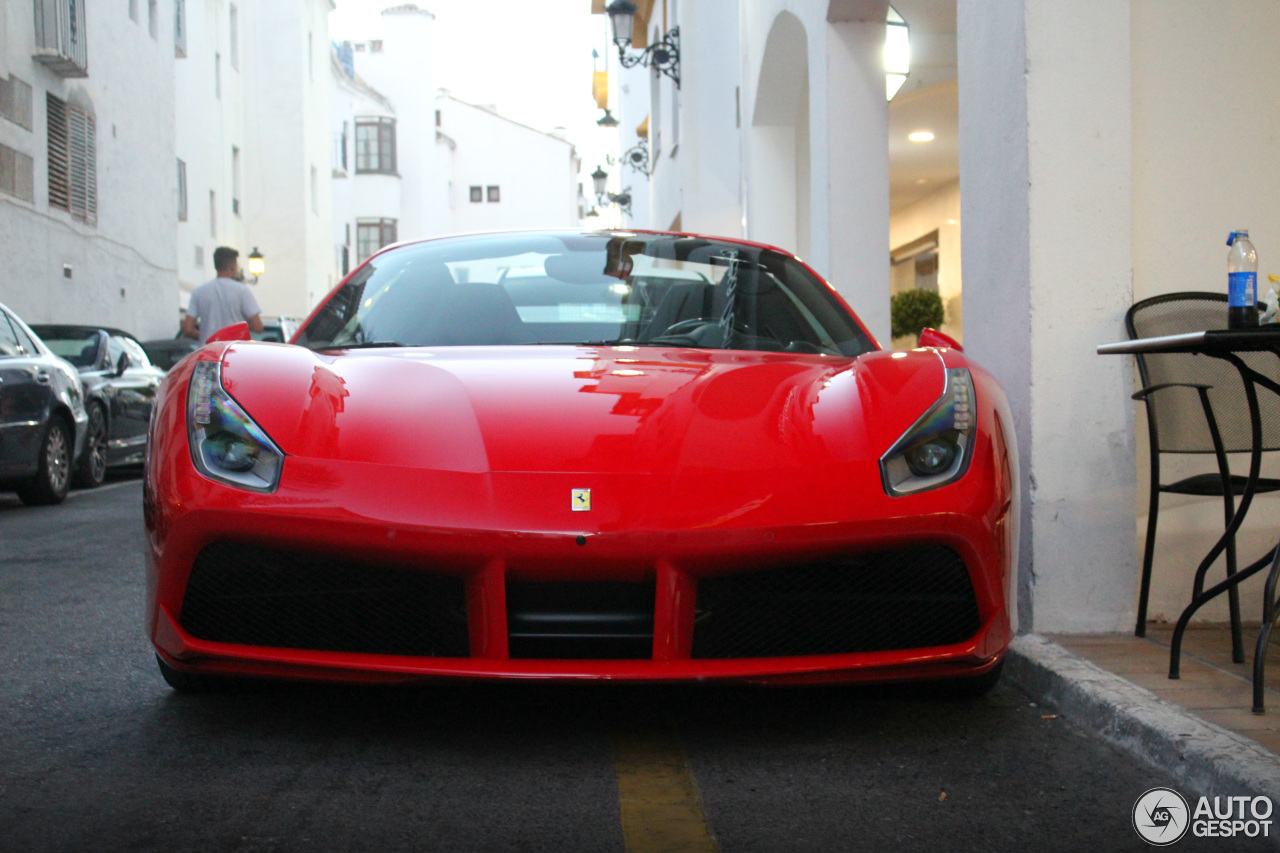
<point>1203,757</point>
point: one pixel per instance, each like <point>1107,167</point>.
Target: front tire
<point>92,470</point>
<point>53,479</point>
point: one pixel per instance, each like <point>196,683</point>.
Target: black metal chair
<point>1197,404</point>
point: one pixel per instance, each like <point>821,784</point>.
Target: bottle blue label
<point>1242,289</point>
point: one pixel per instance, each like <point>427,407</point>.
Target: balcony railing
<point>61,42</point>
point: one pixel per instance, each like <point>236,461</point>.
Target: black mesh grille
<point>262,597</point>
<point>905,599</point>
<point>1179,416</point>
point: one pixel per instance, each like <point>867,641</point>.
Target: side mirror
<point>934,338</point>
<point>234,332</point>
<point>123,364</point>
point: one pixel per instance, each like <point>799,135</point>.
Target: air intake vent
<point>905,599</point>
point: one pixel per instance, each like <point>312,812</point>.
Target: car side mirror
<point>234,332</point>
<point>934,338</point>
<point>123,364</point>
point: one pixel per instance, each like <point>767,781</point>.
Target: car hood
<point>565,409</point>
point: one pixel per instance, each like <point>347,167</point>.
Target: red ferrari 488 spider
<point>588,455</point>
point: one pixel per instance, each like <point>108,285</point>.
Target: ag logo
<point>1161,816</point>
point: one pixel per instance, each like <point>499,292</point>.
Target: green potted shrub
<point>912,310</point>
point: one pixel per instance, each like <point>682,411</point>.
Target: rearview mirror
<point>123,364</point>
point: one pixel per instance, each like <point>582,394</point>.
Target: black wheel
<point>188,682</point>
<point>92,469</point>
<point>50,484</point>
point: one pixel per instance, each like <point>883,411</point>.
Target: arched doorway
<point>778,167</point>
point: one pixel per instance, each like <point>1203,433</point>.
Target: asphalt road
<point>97,754</point>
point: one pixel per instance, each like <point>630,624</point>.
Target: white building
<point>503,174</point>
<point>1092,154</point>
<point>253,147</point>
<point>88,190</point>
<point>411,162</point>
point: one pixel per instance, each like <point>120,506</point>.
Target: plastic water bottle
<point>1242,281</point>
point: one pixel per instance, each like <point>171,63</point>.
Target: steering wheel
<point>687,327</point>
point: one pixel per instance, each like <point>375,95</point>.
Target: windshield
<point>78,346</point>
<point>586,288</point>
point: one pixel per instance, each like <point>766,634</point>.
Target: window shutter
<point>59,165</point>
<point>83,165</point>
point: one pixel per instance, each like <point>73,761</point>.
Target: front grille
<point>909,598</point>
<point>580,621</point>
<point>263,597</point>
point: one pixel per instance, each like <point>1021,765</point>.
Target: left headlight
<point>226,445</point>
<point>937,448</point>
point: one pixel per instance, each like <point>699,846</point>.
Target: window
<point>9,346</point>
<point>372,235</point>
<point>73,160</point>
<point>182,191</point>
<point>213,214</point>
<point>153,18</point>
<point>234,33</point>
<point>179,28</point>
<point>315,191</point>
<point>133,10</point>
<point>311,56</point>
<point>375,145</point>
<point>17,174</point>
<point>375,45</point>
<point>235,180</point>
<point>15,101</point>
<point>439,118</point>
<point>493,194</point>
<point>60,37</point>
<point>477,194</point>
<point>217,75</point>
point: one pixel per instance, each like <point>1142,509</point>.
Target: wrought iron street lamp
<point>623,199</point>
<point>257,265</point>
<point>663,56</point>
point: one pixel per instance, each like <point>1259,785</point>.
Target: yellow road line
<point>661,809</point>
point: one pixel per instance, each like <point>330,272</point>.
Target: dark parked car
<point>43,420</point>
<point>120,389</point>
<point>165,353</point>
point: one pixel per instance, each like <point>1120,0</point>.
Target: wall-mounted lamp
<point>623,199</point>
<point>607,120</point>
<point>897,53</point>
<point>663,56</point>
<point>637,156</point>
<point>257,265</point>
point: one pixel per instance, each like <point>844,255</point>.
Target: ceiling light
<point>921,136</point>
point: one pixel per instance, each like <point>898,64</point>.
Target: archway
<point>778,170</point>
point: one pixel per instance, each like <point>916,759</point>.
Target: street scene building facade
<point>1095,159</point>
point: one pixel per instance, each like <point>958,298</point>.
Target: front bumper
<point>491,566</point>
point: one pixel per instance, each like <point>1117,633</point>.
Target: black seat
<point>475,315</point>
<point>1197,404</point>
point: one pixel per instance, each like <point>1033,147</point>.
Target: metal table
<point>1227,344</point>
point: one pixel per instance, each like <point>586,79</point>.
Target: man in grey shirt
<point>221,302</point>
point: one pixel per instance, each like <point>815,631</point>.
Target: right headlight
<point>226,445</point>
<point>936,449</point>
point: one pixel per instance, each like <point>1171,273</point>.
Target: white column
<point>850,178</point>
<point>1046,198</point>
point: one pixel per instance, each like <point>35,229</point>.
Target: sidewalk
<point>1199,728</point>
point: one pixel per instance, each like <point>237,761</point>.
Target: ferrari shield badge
<point>581,500</point>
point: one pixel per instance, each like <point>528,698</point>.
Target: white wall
<point>536,172</point>
<point>123,270</point>
<point>1204,136</point>
<point>207,126</point>
<point>710,156</point>
<point>285,60</point>
<point>1046,184</point>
